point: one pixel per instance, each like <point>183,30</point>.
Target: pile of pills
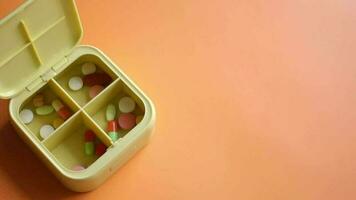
<point>43,109</point>
<point>96,81</point>
<point>126,120</point>
<point>92,145</point>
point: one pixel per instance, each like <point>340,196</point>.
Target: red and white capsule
<point>113,128</point>
<point>62,110</point>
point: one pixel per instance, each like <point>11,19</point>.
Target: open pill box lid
<point>34,39</point>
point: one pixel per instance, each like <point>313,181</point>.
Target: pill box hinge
<point>34,84</point>
<point>53,71</point>
<point>48,75</point>
<point>60,65</point>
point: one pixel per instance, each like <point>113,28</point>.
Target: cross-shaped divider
<point>66,144</point>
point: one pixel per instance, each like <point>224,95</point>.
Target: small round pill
<point>46,130</point>
<point>26,116</point>
<point>126,105</point>
<point>57,122</point>
<point>127,121</point>
<point>139,119</point>
<point>88,68</point>
<point>75,83</point>
<point>78,168</point>
<point>95,90</point>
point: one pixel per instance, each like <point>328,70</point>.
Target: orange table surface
<point>255,100</point>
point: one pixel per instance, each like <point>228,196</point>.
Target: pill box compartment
<point>75,69</point>
<point>67,144</point>
<point>112,95</point>
<point>51,91</point>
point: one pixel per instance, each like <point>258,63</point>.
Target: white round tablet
<point>75,83</point>
<point>26,116</point>
<point>46,130</point>
<point>88,68</point>
<point>126,105</point>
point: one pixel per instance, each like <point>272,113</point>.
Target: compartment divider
<point>67,144</point>
<point>60,133</point>
<point>100,99</point>
<point>100,133</point>
<point>30,39</point>
<point>7,60</point>
<point>66,97</point>
<point>55,23</point>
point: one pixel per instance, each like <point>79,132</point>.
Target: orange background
<point>255,100</point>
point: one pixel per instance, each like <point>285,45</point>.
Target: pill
<point>127,121</point>
<point>100,149</point>
<point>96,79</point>
<point>88,68</point>
<point>112,125</point>
<point>26,116</point>
<point>62,110</point>
<point>78,168</point>
<point>113,136</point>
<point>44,110</point>
<point>110,112</point>
<point>127,104</point>
<point>75,83</point>
<point>38,100</point>
<point>95,90</point>
<point>57,122</point>
<point>89,138</point>
<point>112,130</point>
<point>46,130</point>
<point>139,119</point>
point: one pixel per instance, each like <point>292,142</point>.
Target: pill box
<point>39,53</point>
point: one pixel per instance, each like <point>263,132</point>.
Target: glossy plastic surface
<point>33,39</point>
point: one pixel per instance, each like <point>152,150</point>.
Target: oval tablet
<point>88,68</point>
<point>75,83</point>
<point>44,110</point>
<point>95,90</point>
<point>46,130</point>
<point>110,112</point>
<point>26,116</point>
<point>127,121</point>
<point>127,104</point>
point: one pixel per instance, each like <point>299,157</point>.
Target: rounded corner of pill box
<point>83,181</point>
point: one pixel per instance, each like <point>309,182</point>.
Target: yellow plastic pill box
<point>39,53</point>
